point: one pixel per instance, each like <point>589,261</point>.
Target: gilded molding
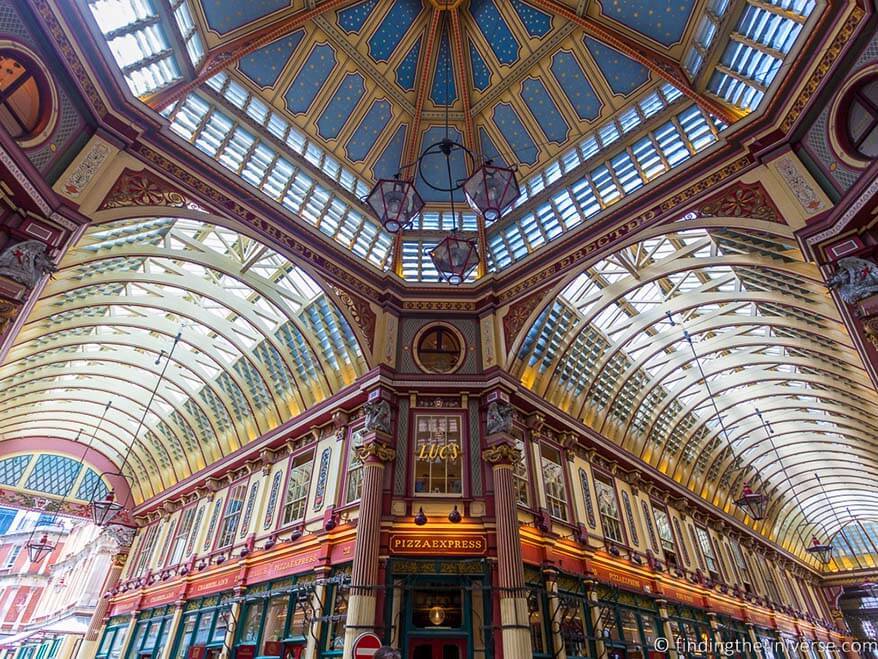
<point>376,451</point>
<point>501,454</point>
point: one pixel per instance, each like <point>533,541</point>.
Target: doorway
<point>437,648</point>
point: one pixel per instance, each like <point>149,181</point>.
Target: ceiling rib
<point>656,62</point>
<point>229,53</point>
<point>413,136</point>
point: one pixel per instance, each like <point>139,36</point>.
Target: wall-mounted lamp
<point>454,516</point>
<point>420,518</point>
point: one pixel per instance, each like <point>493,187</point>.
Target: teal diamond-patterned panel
<point>11,469</point>
<point>53,474</point>
<point>92,488</point>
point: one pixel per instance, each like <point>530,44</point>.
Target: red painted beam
<point>413,138</point>
<point>655,61</point>
<point>229,53</point>
<point>462,80</point>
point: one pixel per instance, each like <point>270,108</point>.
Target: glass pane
<point>276,619</point>
<point>438,455</point>
<point>251,624</point>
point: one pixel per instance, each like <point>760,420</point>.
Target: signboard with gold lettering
<point>212,585</point>
<point>622,579</point>
<point>162,597</point>
<point>124,606</point>
<point>683,596</point>
<point>415,544</point>
<point>283,566</point>
<point>760,618</point>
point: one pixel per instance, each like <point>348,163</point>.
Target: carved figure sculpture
<point>377,416</point>
<point>499,417</point>
<point>855,279</point>
<point>26,262</point>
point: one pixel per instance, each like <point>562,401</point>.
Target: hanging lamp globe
<point>454,258</point>
<point>37,550</point>
<point>752,503</point>
<point>822,552</point>
<point>395,203</point>
<point>105,510</point>
<point>491,190</point>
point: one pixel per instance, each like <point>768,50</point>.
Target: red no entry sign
<point>366,646</point>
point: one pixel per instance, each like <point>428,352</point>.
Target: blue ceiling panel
<point>495,30</point>
<point>537,23</point>
<point>662,20</point>
<point>340,106</point>
<point>623,74</point>
<point>444,75</point>
<point>310,79</point>
<point>387,165</point>
<point>265,65</point>
<point>352,19</point>
<point>435,169</point>
<point>511,127</point>
<point>481,72</point>
<point>223,16</point>
<point>368,130</point>
<point>489,150</point>
<point>405,72</point>
<point>392,29</point>
<point>575,85</point>
<point>544,110</point>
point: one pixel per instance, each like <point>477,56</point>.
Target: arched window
<point>863,118</point>
<point>22,95</point>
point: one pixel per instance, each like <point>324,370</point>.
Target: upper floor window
<point>23,95</point>
<point>181,535</point>
<point>666,535</point>
<point>354,487</point>
<point>608,506</point>
<point>150,535</point>
<point>519,470</point>
<point>438,455</point>
<point>863,118</point>
<point>232,515</point>
<point>553,481</point>
<point>299,480</point>
<point>13,554</point>
<point>707,551</point>
<point>743,568</point>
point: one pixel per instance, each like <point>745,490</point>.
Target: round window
<point>24,95</point>
<point>863,118</point>
<point>439,349</point>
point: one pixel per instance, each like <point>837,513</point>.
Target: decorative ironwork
<point>322,476</point>
<point>629,514</point>
<point>586,496</point>
<point>248,511</point>
<point>272,502</point>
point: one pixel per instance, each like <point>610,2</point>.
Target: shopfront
<point>276,619</point>
<point>151,633</point>
<point>691,631</point>
<point>203,628</point>
<point>114,637</point>
<point>336,594</point>
<point>441,608</point>
<point>735,638</point>
<point>628,623</point>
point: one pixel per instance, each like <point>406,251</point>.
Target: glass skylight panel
<point>194,45</point>
<point>626,172</point>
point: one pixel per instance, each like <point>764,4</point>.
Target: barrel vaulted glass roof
<point>260,343</point>
<point>345,92</point>
<point>769,341</point>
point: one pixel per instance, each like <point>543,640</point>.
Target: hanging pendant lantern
<point>454,258</point>
<point>752,503</point>
<point>395,203</point>
<point>38,550</point>
<point>105,510</point>
<point>821,551</point>
<point>491,190</point>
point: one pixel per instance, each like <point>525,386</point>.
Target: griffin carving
<point>26,262</point>
<point>377,416</point>
<point>855,279</point>
<point>499,417</point>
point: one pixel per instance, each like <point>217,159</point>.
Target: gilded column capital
<point>376,451</point>
<point>499,454</point>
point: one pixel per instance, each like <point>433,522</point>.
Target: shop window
<point>113,640</point>
<point>519,470</point>
<point>298,483</point>
<point>537,621</point>
<point>181,535</point>
<point>23,95</point>
<point>274,616</point>
<point>232,515</point>
<point>862,118</point>
<point>573,627</point>
<point>151,633</point>
<point>554,481</point>
<point>204,625</point>
<point>438,455</point>
<point>354,485</point>
<point>608,507</point>
<point>338,592</point>
<point>438,607</point>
